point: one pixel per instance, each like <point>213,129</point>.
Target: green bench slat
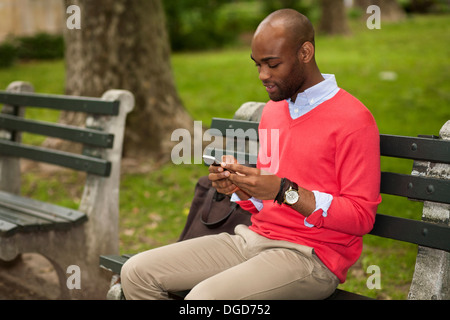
<point>71,133</point>
<point>32,214</point>
<point>420,148</point>
<point>71,215</point>
<point>423,233</point>
<point>7,228</point>
<point>21,214</point>
<point>77,162</point>
<point>238,128</point>
<point>59,102</point>
<point>113,262</point>
<point>416,148</point>
<point>24,221</point>
<point>415,187</point>
<point>242,157</point>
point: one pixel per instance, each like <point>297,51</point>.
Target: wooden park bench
<point>428,182</point>
<point>65,236</point>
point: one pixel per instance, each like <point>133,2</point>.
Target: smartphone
<point>210,160</point>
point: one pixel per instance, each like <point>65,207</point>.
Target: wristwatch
<point>291,196</point>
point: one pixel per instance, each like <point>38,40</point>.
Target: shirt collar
<point>317,93</point>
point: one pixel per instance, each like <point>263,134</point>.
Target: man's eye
<point>273,66</point>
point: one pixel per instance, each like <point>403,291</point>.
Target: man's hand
<point>265,186</point>
<point>220,179</point>
<point>255,182</point>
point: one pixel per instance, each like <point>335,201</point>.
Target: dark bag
<point>212,212</point>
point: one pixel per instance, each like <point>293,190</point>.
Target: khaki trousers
<point>229,267</point>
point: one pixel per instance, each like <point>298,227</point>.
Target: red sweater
<point>334,149</point>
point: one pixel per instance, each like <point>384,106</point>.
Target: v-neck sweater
<point>335,149</point>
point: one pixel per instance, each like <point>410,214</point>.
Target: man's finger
<point>215,169</point>
<point>239,168</point>
<point>239,180</point>
<point>218,176</point>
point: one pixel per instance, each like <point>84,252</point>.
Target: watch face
<point>291,196</point>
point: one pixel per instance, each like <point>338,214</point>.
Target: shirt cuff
<point>323,203</point>
<point>256,202</point>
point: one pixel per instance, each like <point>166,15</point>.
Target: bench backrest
<point>241,142</point>
<point>12,124</point>
<point>95,149</point>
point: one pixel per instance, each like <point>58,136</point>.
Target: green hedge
<point>8,54</point>
<point>41,46</point>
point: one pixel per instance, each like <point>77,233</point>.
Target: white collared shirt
<point>314,96</point>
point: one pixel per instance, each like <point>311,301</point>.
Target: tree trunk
<point>123,44</point>
<point>390,9</point>
<point>333,17</point>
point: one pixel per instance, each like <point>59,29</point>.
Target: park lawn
<point>154,202</point>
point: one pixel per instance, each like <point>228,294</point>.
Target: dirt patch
<point>30,277</point>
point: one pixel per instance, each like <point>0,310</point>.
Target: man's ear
<point>306,52</point>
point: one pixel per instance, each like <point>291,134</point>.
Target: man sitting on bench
<point>313,195</point>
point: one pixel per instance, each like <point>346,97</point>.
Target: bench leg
<point>65,249</point>
<point>115,291</point>
<point>432,272</point>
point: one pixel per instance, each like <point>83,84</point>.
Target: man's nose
<point>264,74</point>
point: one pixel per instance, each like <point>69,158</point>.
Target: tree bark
<point>123,44</point>
<point>390,9</point>
<point>333,18</point>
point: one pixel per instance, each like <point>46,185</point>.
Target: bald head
<point>289,23</point>
<point>284,53</point>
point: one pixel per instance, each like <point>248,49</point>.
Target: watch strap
<point>294,186</point>
<point>279,198</point>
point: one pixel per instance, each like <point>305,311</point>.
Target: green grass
<point>155,203</point>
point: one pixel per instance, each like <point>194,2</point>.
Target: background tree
<point>333,19</point>
<point>123,44</point>
<point>270,6</point>
<point>200,24</point>
<point>390,9</point>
